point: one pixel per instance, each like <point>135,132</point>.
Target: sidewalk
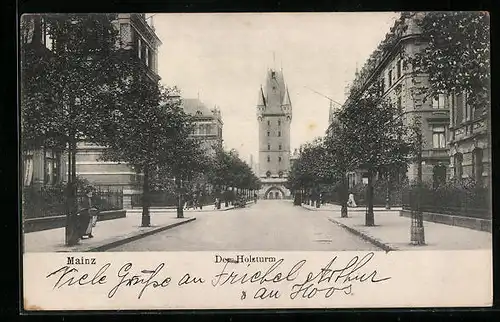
<point>392,232</point>
<point>107,234</point>
<point>169,210</point>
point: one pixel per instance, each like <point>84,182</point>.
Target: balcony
<point>438,154</point>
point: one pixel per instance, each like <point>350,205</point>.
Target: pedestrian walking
<point>350,201</point>
<point>88,215</point>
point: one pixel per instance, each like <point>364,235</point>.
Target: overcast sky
<point>223,58</point>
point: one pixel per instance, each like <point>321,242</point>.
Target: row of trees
<point>79,83</point>
<point>368,133</point>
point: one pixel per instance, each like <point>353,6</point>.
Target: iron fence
<point>51,200</point>
<point>451,201</point>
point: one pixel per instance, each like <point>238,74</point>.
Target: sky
<point>223,59</point>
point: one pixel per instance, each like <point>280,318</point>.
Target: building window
<point>459,109</point>
<point>451,106</point>
<point>268,122</point>
<point>268,174</point>
<point>268,159</point>
<point>398,69</point>
<point>279,133</point>
<point>279,159</point>
<point>279,147</point>
<point>279,122</point>
<point>390,77</point>
<point>382,86</point>
<point>28,169</point>
<point>268,133</point>
<point>269,147</point>
<point>477,164</point>
<point>458,159</point>
<point>47,40</point>
<point>280,174</point>
<point>139,48</point>
<point>438,137</point>
<point>51,167</point>
<point>147,56</point>
<point>400,105</point>
<point>438,102</point>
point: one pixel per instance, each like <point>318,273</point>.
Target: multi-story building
<point>49,166</point>
<point>469,140</point>
<point>274,114</point>
<point>139,37</point>
<point>388,65</point>
<point>207,124</point>
<point>43,166</point>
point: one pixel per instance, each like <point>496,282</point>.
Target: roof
<point>194,106</point>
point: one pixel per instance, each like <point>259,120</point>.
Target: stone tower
<point>274,114</point>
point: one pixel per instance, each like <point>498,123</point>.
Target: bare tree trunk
<point>370,217</point>
<point>344,195</point>
<point>146,218</point>
<point>180,198</point>
<point>71,231</point>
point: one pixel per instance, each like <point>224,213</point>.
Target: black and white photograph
<point>355,145</point>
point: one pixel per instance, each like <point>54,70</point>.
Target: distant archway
<point>274,192</point>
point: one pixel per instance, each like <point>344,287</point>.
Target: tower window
<point>268,159</point>
<point>279,147</point>
<point>279,159</point>
<point>279,133</point>
<point>279,122</point>
<point>269,146</point>
<point>268,133</point>
<point>268,122</point>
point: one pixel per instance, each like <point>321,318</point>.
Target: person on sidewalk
<point>88,215</point>
<point>350,201</point>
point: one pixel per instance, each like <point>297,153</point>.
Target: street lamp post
<point>388,192</point>
<point>417,222</point>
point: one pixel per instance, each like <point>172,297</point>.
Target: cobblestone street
<point>267,225</point>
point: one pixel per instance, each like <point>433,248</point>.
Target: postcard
<point>255,160</point>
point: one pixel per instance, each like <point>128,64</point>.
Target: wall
<point>274,166</point>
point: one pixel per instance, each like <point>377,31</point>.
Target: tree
<point>310,170</point>
<point>67,81</point>
<point>378,137</point>
<point>341,157</point>
<point>147,131</point>
<point>228,170</point>
<point>187,160</point>
<point>457,54</point>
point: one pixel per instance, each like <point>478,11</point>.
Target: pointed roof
<point>195,107</point>
<point>286,98</point>
<point>261,99</point>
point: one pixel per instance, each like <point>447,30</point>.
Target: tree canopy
<point>457,54</point>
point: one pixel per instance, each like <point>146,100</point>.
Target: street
<point>267,225</point>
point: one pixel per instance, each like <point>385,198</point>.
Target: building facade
<point>44,166</point>
<point>274,114</point>
<point>208,124</point>
<point>389,66</point>
<point>139,37</point>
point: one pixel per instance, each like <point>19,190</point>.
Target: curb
<point>126,240</point>
<point>385,247</point>
<point>232,207</point>
<point>317,209</point>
